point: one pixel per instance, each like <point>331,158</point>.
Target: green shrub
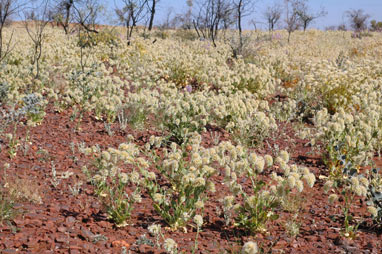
<point>118,190</point>
<point>187,176</point>
<point>185,35</point>
<point>107,37</point>
<point>162,34</point>
<point>6,208</point>
<point>4,88</point>
<point>252,84</point>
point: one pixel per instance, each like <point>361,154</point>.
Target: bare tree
<point>132,12</point>
<point>254,23</point>
<point>341,27</point>
<point>184,20</point>
<point>169,22</point>
<point>272,14</point>
<point>357,19</point>
<point>86,14</point>
<point>291,17</point>
<point>35,23</point>
<point>242,8</point>
<point>305,16</point>
<point>180,21</point>
<point>213,15</point>
<point>7,9</point>
<point>64,14</point>
<point>152,4</point>
<point>83,12</point>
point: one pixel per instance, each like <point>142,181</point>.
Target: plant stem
<point>196,240</point>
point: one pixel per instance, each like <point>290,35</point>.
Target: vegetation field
<point>168,144</point>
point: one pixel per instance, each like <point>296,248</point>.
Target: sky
<point>334,8</point>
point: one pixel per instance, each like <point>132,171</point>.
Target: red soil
<point>65,223</point>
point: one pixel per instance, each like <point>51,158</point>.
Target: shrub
<point>4,88</point>
<point>162,34</point>
<point>106,37</point>
<point>186,182</point>
<point>261,202</point>
<point>117,189</point>
<point>185,35</point>
<point>6,208</point>
<point>374,195</point>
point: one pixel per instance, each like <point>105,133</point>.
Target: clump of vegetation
<point>7,211</point>
<point>188,182</point>
<point>106,37</point>
<point>6,208</point>
<point>261,203</point>
<point>185,35</point>
<point>112,184</point>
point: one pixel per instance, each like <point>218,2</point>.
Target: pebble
<point>87,234</point>
<point>69,221</point>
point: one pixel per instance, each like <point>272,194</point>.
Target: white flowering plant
<point>13,143</point>
<point>118,190</point>
<point>257,209</point>
<point>374,195</point>
<point>168,244</point>
<point>351,186</point>
<point>253,132</point>
<point>33,107</point>
<point>186,120</point>
<point>182,186</point>
<point>135,114</point>
<point>250,248</point>
<point>93,90</point>
<point>344,137</point>
<point>263,200</point>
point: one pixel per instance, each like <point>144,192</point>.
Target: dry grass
<point>24,190</point>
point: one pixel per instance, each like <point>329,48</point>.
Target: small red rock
<point>62,229</point>
<point>143,248</point>
<point>37,223</point>
<point>69,221</point>
<point>61,239</point>
<point>120,243</point>
<point>87,234</point>
<point>74,249</point>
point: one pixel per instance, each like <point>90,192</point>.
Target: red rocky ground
<point>68,223</point>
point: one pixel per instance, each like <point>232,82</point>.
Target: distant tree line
<point>208,18</point>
